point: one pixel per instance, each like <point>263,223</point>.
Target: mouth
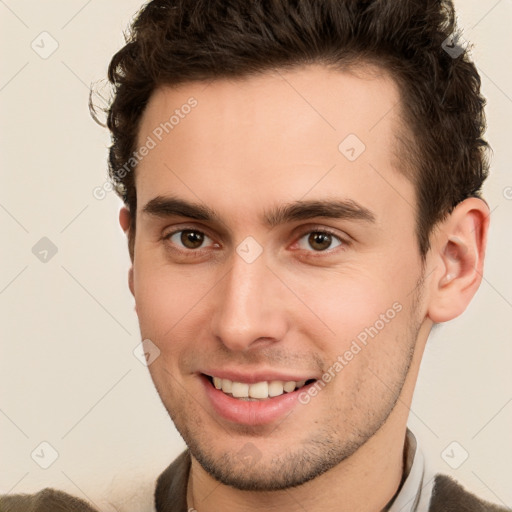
<point>256,391</point>
<point>254,403</point>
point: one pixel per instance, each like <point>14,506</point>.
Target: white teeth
<point>289,386</point>
<point>275,388</point>
<point>240,390</point>
<point>226,385</point>
<point>258,390</point>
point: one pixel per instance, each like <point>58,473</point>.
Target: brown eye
<point>320,241</point>
<point>191,239</point>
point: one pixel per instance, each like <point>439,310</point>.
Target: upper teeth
<point>260,390</point>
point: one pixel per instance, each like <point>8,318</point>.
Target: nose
<point>250,310</point>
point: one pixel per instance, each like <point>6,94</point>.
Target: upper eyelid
<point>303,230</point>
<point>174,230</point>
<point>319,229</point>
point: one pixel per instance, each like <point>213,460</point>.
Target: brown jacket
<point>448,495</point>
<point>170,496</point>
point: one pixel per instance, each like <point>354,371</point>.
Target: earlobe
<point>459,251</point>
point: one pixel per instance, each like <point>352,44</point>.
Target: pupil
<point>192,239</point>
<point>320,241</point>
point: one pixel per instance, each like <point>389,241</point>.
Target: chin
<point>251,468</point>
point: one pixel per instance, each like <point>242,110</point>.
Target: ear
<point>125,222</point>
<point>125,219</point>
<point>457,252</point>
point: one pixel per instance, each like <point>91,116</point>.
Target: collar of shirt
<point>416,490</point>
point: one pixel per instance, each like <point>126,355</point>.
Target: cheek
<point>367,351</point>
<point>168,299</point>
<point>357,304</point>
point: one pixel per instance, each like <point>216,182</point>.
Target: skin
<point>248,147</point>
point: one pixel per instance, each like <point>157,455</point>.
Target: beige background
<point>68,374</point>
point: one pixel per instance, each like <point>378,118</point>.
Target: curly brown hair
<point>441,147</point>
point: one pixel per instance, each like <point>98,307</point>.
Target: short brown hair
<point>442,150</point>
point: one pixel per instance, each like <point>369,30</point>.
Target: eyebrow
<point>332,209</point>
<point>171,207</point>
<point>165,207</point>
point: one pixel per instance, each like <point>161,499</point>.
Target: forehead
<point>274,137</point>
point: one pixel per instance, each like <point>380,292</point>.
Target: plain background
<point>68,373</point>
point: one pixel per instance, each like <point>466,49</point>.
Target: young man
<point>302,203</point>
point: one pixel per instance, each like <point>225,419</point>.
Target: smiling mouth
<point>263,390</point>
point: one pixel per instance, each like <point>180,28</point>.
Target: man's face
<point>337,275</point>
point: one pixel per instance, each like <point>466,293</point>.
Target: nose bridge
<point>247,308</point>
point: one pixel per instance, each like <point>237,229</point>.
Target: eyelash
<point>191,253</point>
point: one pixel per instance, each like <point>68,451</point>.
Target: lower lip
<point>257,412</point>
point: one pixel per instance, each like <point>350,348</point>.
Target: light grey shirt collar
<point>416,490</point>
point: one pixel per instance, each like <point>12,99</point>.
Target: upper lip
<point>252,376</point>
